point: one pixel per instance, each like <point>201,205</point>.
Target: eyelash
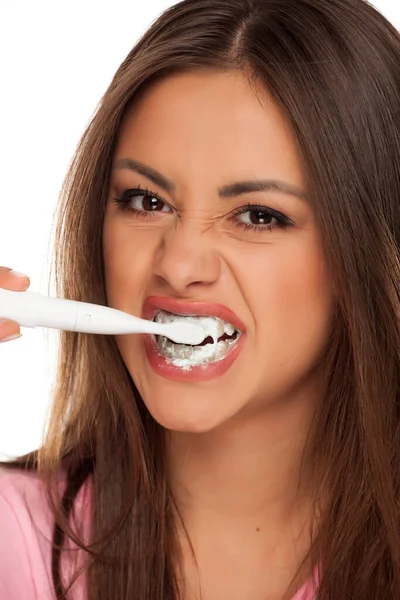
<point>282,222</point>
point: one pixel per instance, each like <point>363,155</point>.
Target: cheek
<point>128,255</point>
<point>290,296</point>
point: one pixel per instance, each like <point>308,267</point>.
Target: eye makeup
<point>145,204</point>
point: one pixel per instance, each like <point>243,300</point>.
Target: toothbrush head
<point>186,333</point>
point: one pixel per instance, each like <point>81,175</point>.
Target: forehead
<point>208,118</point>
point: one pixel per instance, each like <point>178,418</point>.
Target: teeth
<point>188,356</point>
<point>184,356</point>
<point>228,328</point>
<point>216,327</point>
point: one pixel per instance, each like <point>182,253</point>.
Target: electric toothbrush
<point>31,309</point>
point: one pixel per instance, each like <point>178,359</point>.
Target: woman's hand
<point>10,280</point>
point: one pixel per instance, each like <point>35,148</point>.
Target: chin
<point>190,410</point>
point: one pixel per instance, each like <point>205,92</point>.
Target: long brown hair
<point>333,67</point>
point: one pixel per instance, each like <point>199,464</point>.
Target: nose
<point>187,258</point>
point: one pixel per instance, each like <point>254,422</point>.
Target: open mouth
<point>186,356</point>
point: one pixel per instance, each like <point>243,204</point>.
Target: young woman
<point>244,165</point>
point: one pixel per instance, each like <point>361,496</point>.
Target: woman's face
<point>206,231</point>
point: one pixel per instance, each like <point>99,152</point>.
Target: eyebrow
<point>227,191</point>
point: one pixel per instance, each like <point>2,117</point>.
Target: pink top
<point>26,528</point>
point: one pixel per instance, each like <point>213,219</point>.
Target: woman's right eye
<point>142,201</point>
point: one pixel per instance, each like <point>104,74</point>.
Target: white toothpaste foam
<point>187,357</point>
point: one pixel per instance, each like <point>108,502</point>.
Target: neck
<point>243,492</point>
<point>248,471</point>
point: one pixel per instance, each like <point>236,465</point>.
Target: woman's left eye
<point>255,217</point>
<point>261,218</point>
<point>142,201</point>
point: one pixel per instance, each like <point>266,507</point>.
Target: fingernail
<point>18,274</point>
<point>11,337</point>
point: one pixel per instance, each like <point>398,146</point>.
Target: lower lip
<point>196,373</point>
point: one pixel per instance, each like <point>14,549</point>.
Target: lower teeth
<point>188,356</point>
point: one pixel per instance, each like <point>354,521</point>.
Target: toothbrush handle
<point>31,309</point>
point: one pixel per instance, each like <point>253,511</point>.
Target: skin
<point>9,280</point>
<point>235,442</point>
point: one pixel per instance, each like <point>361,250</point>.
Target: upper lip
<point>180,307</point>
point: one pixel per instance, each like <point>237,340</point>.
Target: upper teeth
<point>213,325</point>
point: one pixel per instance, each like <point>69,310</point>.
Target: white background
<point>56,61</point>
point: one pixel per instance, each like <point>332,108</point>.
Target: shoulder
<point>23,500</point>
<point>23,564</point>
<point>26,525</point>
<point>22,491</point>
